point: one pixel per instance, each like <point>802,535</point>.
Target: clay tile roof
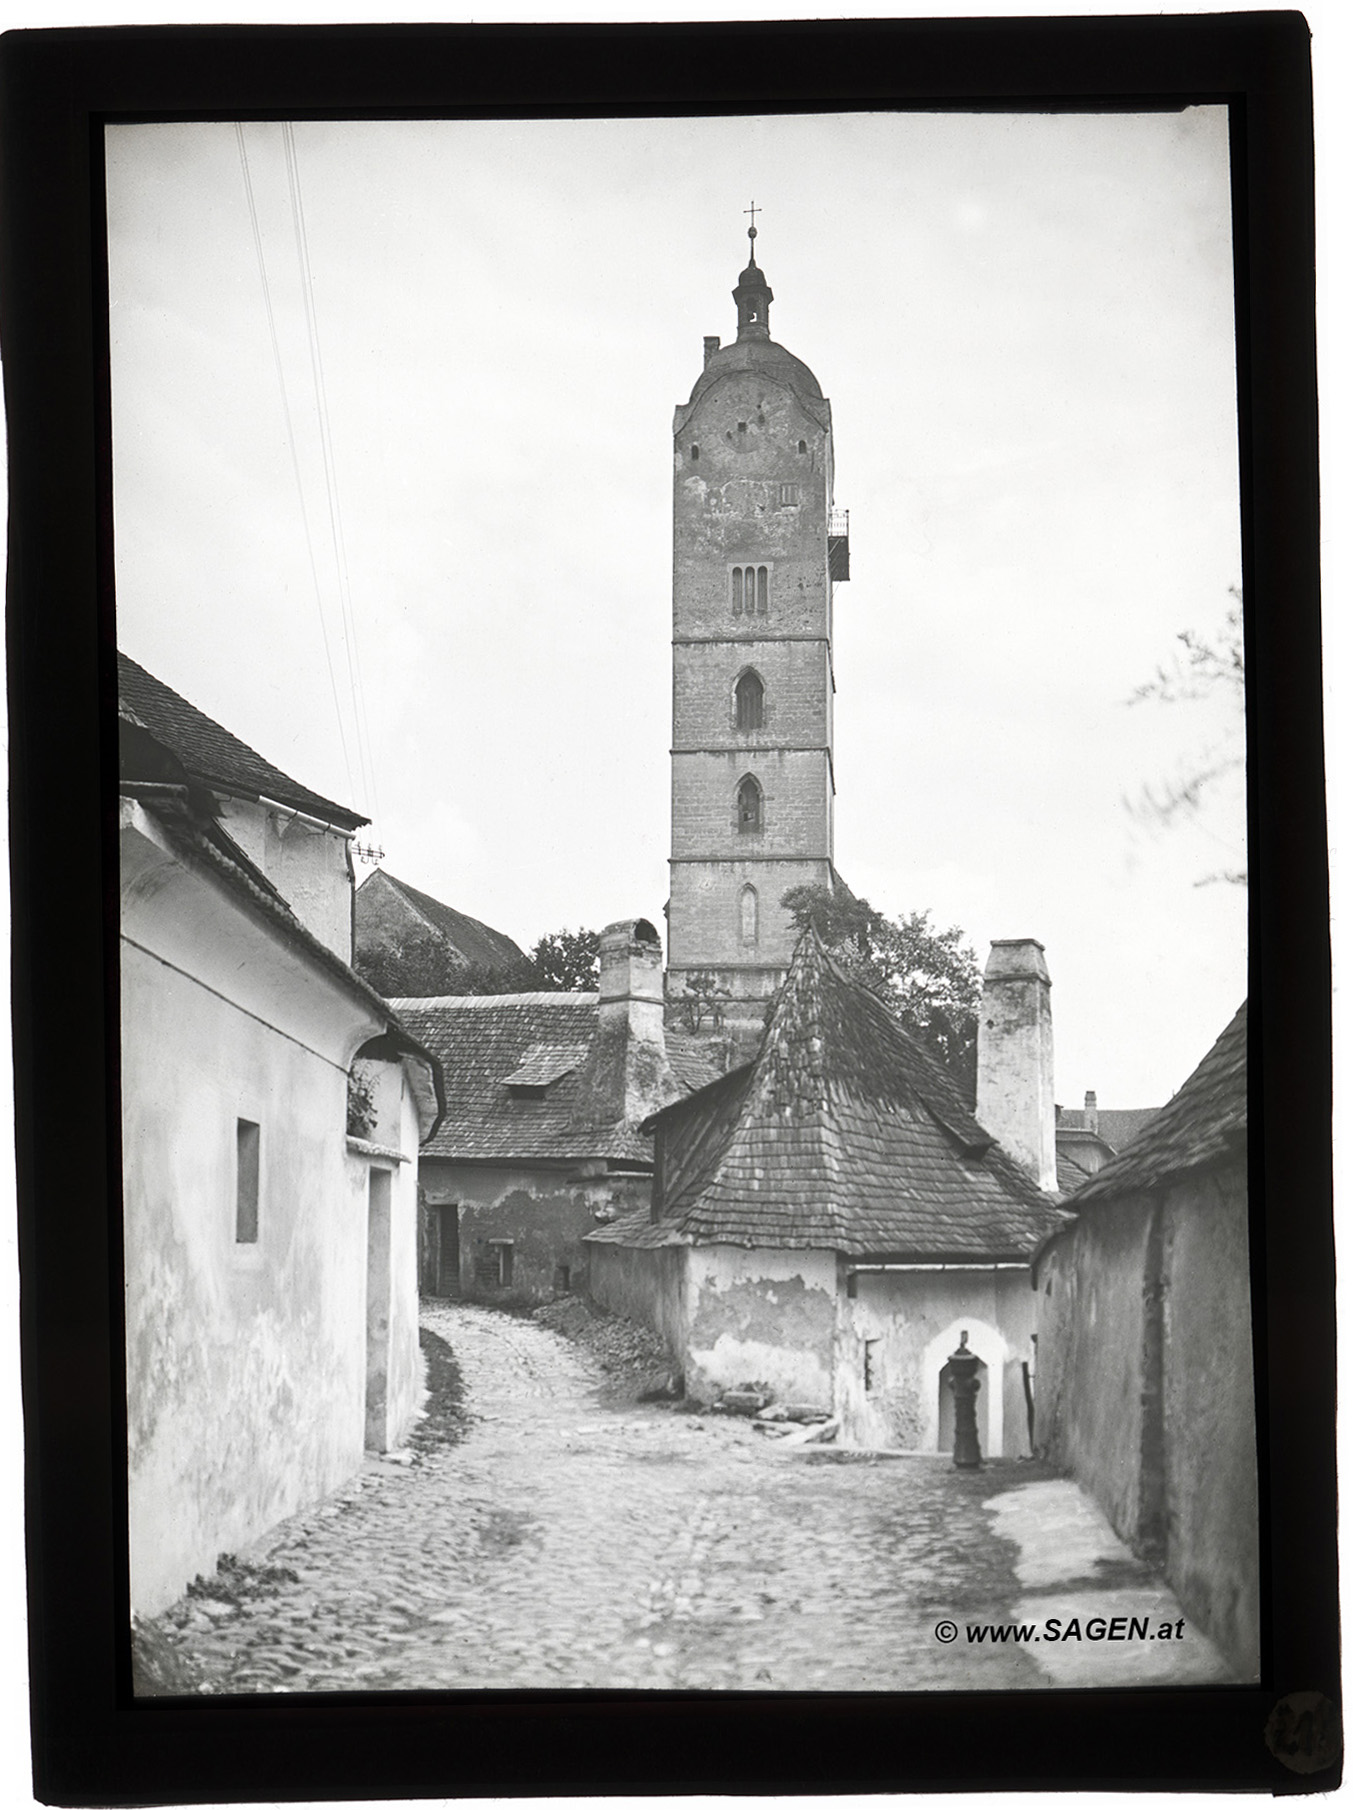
<point>484,1039</point>
<point>843,1134</point>
<point>1120,1125</point>
<point>1205,1122</point>
<point>211,754</point>
<point>544,1063</point>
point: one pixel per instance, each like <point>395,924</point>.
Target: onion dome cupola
<point>752,297</point>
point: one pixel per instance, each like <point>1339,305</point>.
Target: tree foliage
<point>928,978</point>
<point>1206,670</point>
<point>566,961</point>
<point>422,966</point>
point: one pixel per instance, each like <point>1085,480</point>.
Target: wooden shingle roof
<point>469,941</point>
<point>1204,1123</point>
<point>211,754</point>
<point>843,1134</point>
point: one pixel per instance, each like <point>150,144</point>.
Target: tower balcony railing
<point>838,545</point>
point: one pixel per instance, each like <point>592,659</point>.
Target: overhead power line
<point>292,452</point>
<point>366,764</point>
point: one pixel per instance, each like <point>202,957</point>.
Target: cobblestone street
<point>565,1542</point>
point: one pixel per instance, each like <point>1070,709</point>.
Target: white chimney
<point>1015,1085</point>
<point>626,1075</point>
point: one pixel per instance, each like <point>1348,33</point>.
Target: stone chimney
<point>1015,1086</point>
<point>710,345</point>
<point>1090,1111</point>
<point>626,1074</point>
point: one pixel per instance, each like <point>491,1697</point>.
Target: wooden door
<point>449,1250</point>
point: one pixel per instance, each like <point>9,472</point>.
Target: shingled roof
<point>843,1134</point>
<point>1204,1123</point>
<point>1116,1125</point>
<point>486,1042</point>
<point>211,754</point>
<point>470,941</point>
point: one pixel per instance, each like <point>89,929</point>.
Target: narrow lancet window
<point>737,590</point>
<point>762,590</point>
<point>750,806</point>
<point>749,702</point>
<point>748,915</point>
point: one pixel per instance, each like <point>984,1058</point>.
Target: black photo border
<point>92,1742</point>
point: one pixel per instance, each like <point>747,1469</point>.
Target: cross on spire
<point>751,210</point>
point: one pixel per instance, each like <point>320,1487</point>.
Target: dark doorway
<point>449,1251</point>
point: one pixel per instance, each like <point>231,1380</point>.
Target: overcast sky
<point>1025,327</point>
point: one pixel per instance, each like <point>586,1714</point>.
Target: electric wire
<point>292,445</point>
<point>366,762</point>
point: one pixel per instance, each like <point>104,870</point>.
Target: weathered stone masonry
<point>752,788</point>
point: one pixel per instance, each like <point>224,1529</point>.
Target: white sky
<point>1025,327</point>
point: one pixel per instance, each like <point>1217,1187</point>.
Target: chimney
<point>1015,1086</point>
<point>1090,1111</point>
<point>710,345</point>
<point>626,1074</point>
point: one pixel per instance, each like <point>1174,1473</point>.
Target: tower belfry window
<point>749,702</point>
<point>749,590</point>
<point>749,812</point>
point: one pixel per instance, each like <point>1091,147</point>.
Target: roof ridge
<point>212,753</point>
<point>484,1001</point>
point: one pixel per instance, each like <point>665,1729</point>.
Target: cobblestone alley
<point>563,1541</point>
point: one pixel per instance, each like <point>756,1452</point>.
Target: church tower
<point>757,549</point>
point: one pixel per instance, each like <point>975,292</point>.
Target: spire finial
<point>751,210</point>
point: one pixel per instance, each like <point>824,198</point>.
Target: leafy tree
<point>702,999</point>
<point>928,978</point>
<point>566,962</point>
<point>422,967</point>
<point>1208,669</point>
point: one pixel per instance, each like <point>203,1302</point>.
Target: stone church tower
<point>756,552</point>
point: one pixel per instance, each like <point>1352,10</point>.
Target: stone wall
<point>1090,1359</point>
<point>1145,1388</point>
<point>648,1286</point>
<point>1210,1446</point>
<point>764,1316</point>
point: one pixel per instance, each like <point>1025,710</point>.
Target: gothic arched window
<point>748,914</point>
<point>749,701</point>
<point>737,590</point>
<point>750,806</point>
